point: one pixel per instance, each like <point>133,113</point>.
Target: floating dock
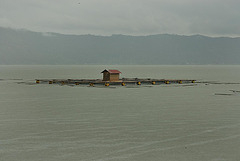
<point>111,77</point>
<point>120,82</point>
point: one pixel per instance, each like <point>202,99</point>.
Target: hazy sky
<point>132,17</point>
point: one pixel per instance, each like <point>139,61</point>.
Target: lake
<point>174,122</point>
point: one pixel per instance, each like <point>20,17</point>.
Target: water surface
<point>165,122</point>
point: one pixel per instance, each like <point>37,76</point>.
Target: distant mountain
<point>27,47</point>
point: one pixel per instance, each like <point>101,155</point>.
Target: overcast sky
<point>131,17</point>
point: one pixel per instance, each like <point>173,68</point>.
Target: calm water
<point>166,122</point>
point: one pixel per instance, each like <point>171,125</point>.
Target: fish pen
<point>111,77</point>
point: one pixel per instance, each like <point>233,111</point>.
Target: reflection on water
<point>176,122</point>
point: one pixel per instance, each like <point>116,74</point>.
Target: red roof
<point>112,71</point>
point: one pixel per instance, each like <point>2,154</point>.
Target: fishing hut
<point>111,75</point>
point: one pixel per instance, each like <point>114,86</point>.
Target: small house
<point>111,75</point>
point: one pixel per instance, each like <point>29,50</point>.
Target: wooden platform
<point>121,82</point>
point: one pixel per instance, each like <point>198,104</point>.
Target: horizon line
<point>119,34</point>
